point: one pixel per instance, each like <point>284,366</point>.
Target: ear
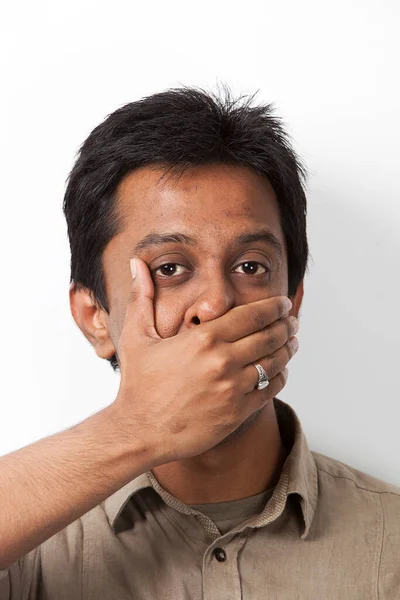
<point>91,320</point>
<point>297,300</point>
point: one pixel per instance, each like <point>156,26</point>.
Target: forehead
<point>213,199</point>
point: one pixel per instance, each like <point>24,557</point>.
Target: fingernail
<point>288,303</point>
<point>133,267</point>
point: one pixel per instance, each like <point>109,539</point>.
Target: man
<point>197,481</point>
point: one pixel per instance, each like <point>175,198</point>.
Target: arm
<point>64,475</point>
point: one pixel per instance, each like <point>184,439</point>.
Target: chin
<point>243,427</point>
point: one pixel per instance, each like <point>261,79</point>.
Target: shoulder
<point>372,505</point>
<point>335,469</point>
<point>360,490</point>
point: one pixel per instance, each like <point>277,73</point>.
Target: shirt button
<point>220,554</point>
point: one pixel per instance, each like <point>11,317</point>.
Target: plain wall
<point>332,71</point>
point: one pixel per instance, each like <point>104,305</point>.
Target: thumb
<point>140,307</point>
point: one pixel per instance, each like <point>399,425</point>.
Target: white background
<point>332,70</point>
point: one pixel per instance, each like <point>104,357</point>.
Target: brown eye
<point>169,269</point>
<point>252,267</point>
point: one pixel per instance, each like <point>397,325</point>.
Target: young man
<point>197,481</point>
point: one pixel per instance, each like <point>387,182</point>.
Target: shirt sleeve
<point>19,581</point>
<point>5,582</point>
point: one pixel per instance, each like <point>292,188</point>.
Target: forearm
<point>49,484</point>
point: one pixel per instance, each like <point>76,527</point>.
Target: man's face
<point>213,268</point>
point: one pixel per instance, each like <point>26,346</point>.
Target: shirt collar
<point>299,472</point>
<point>298,476</point>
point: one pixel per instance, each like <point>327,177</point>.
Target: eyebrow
<point>156,239</point>
<point>175,237</point>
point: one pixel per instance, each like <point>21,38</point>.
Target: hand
<point>184,394</point>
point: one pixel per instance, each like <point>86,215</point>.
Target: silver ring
<point>263,380</point>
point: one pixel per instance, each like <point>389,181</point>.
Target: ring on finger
<point>263,380</point>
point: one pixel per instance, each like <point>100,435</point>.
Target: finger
<point>256,399</point>
<point>265,342</point>
<point>140,307</point>
<point>272,365</point>
<point>246,319</point>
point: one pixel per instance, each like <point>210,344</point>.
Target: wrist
<point>126,455</point>
<point>132,445</point>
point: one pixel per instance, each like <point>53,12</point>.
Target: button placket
<point>221,578</point>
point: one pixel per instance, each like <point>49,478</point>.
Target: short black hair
<point>178,129</point>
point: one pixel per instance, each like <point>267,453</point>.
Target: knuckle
<point>133,296</point>
<point>272,341</point>
<point>255,347</point>
<point>205,339</point>
<point>227,387</point>
<point>259,319</point>
<point>219,365</point>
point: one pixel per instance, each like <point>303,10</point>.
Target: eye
<point>169,269</point>
<point>251,267</point>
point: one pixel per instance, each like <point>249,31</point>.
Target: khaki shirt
<point>325,532</point>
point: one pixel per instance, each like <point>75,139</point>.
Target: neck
<point>246,464</point>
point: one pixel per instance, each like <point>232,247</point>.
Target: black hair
<point>178,129</point>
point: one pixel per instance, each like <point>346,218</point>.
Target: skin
<point>214,205</point>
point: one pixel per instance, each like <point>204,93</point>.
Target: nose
<point>215,299</point>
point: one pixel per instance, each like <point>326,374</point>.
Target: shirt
<point>227,515</point>
<point>325,532</point>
